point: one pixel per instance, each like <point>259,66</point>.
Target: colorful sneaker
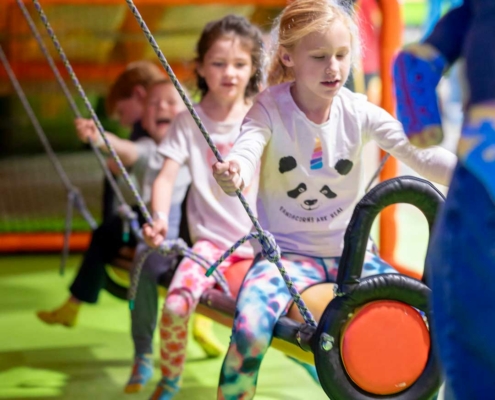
<point>142,371</point>
<point>166,389</point>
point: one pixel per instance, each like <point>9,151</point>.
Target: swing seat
<point>371,340</point>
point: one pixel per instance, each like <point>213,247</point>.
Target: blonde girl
<point>309,132</point>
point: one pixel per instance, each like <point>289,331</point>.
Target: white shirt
<point>212,215</point>
<point>312,174</point>
<point>148,166</point>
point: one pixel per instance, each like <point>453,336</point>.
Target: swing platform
<point>372,340</point>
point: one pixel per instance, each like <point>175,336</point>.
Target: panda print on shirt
<point>306,196</point>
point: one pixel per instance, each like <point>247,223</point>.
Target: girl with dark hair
<point>228,69</point>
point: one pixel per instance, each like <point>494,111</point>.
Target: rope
<point>377,172</point>
<point>67,231</point>
<point>266,240</point>
<point>91,111</point>
<point>73,193</point>
<point>70,99</point>
<point>140,203</point>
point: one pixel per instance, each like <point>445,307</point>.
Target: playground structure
<point>100,38</point>
<point>342,376</point>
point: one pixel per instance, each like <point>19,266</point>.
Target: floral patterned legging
<point>187,286</point>
<point>263,298</point>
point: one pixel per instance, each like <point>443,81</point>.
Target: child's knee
<point>179,304</point>
<point>251,341</point>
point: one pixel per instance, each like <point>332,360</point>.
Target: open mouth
<point>163,121</point>
<point>331,84</point>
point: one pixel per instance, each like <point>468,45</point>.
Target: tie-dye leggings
<point>187,286</point>
<point>263,298</point>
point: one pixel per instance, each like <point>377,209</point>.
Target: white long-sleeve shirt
<point>312,174</point>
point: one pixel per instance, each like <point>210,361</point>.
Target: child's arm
<point>240,165</point>
<point>434,163</point>
<point>160,203</point>
<point>125,149</point>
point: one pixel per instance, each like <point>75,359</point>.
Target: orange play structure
<point>390,43</point>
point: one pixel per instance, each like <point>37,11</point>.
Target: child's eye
<point>341,56</point>
<point>217,64</point>
<point>318,57</point>
<point>240,65</point>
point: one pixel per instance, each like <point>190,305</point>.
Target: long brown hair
<point>250,36</point>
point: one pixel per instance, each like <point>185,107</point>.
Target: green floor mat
<point>92,360</point>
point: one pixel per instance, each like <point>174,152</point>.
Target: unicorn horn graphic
<point>317,156</point>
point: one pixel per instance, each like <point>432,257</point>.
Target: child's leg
<point>187,286</point>
<point>263,290</point>
<point>105,244</point>
<point>374,265</point>
<point>144,317</point>
<point>144,314</point>
<point>90,279</point>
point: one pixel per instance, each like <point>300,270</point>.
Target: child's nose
<point>332,65</point>
<point>229,70</point>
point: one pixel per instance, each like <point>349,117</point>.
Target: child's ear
<point>253,71</point>
<point>199,69</point>
<point>286,57</point>
<point>139,92</point>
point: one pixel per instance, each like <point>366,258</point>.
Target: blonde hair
<point>302,17</point>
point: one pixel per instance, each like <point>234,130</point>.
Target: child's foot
<point>204,336</point>
<point>310,369</point>
<point>166,389</point>
<point>65,315</point>
<point>142,371</point>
